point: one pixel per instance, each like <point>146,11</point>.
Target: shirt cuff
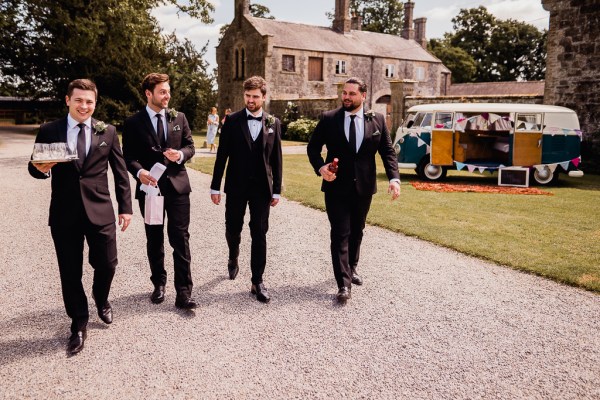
<point>138,173</point>
<point>180,157</point>
<point>214,191</point>
<point>395,180</point>
<point>276,196</point>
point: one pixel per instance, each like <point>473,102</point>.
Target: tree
<point>383,16</point>
<point>461,64</point>
<point>502,50</point>
<point>44,44</point>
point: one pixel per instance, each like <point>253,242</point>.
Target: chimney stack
<point>242,7</point>
<point>408,32</point>
<point>420,35</point>
<point>341,21</point>
<point>356,22</point>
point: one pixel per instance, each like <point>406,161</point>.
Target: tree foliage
<point>502,50</point>
<point>383,16</point>
<point>45,44</point>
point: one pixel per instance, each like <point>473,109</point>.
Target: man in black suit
<point>251,141</point>
<point>353,136</point>
<point>153,135</point>
<point>80,206</point>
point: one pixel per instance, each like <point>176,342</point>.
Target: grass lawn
<point>557,236</point>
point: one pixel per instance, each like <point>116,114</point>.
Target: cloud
<point>529,11</point>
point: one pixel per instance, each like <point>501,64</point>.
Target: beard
<point>351,106</point>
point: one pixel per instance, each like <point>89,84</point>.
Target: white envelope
<point>156,172</point>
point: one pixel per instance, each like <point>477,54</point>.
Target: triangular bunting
<point>539,168</point>
<point>459,165</point>
<point>428,149</point>
<point>412,134</point>
<point>420,142</point>
<point>481,169</point>
<point>565,165</point>
<point>552,167</point>
<point>471,168</point>
<point>576,161</point>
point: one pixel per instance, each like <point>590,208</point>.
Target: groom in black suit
<point>250,144</point>
<point>353,136</point>
<point>81,208</point>
<point>153,135</point>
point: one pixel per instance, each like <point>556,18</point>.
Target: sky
<point>439,14</point>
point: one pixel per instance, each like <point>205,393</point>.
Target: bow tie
<point>252,117</point>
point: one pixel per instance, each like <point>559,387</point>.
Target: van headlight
<point>397,146</point>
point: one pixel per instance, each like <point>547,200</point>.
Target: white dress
<point>211,133</point>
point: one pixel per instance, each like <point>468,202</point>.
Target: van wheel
<point>545,176</point>
<point>429,172</point>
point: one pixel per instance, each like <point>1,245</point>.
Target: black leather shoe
<point>76,341</point>
<point>186,303</point>
<point>344,294</point>
<point>233,267</point>
<point>158,296</point>
<point>356,279</point>
<point>261,293</point>
<point>105,313</point>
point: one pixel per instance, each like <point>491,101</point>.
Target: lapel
<point>170,122</point>
<point>368,130</point>
<point>94,143</point>
<point>265,130</point>
<point>339,117</point>
<point>245,130</point>
<point>62,130</point>
<point>149,127</point>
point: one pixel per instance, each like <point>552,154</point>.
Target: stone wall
<point>573,68</point>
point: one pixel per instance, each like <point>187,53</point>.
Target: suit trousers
<point>177,209</point>
<point>68,242</point>
<point>258,200</point>
<point>347,213</point>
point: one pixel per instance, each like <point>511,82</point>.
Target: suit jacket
<point>235,145</point>
<point>355,170</point>
<point>73,187</point>
<point>139,139</point>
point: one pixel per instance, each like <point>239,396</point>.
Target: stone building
<point>306,63</point>
<point>573,67</point>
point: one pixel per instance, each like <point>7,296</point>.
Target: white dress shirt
<point>359,123</point>
<point>73,132</point>
<point>253,125</point>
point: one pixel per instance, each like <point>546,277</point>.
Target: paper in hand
<point>156,172</point>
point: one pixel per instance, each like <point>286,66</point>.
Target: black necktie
<point>160,132</point>
<point>352,133</point>
<point>250,117</point>
<point>81,145</point>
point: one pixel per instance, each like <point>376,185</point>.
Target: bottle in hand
<point>333,166</point>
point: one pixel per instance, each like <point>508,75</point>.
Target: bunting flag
<point>471,168</point>
<point>428,149</point>
<point>576,161</point>
<point>565,165</point>
<point>481,169</point>
<point>413,134</point>
<point>553,130</point>
<point>459,165</point>
<point>421,142</point>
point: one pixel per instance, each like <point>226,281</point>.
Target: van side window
<point>443,120</point>
<point>529,122</point>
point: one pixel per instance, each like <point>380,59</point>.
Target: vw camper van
<point>518,141</point>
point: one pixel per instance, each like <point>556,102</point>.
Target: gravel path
<point>429,323</point>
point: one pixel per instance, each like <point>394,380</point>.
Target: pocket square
<point>376,133</point>
<point>176,128</point>
<point>102,144</point>
<point>270,130</point>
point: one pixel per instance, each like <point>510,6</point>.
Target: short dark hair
<point>362,86</point>
<point>82,84</point>
<point>153,79</point>
<point>256,82</point>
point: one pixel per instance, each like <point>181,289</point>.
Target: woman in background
<point>213,124</point>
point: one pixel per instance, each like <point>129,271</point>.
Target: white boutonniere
<point>100,127</point>
<point>376,133</point>
<point>172,113</point>
<point>269,122</point>
<point>103,144</point>
<point>270,130</point>
<point>369,115</point>
<point>176,128</point>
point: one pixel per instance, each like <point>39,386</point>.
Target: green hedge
<point>300,129</point>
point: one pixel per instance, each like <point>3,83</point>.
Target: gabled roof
<point>292,35</point>
<point>532,88</point>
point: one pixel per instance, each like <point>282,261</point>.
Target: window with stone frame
<point>288,63</point>
<point>315,68</point>
<point>340,67</point>
<point>419,74</point>
<point>390,71</point>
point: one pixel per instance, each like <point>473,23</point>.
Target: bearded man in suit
<point>160,135</point>
<point>353,136</point>
<point>250,144</point>
<point>81,207</point>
